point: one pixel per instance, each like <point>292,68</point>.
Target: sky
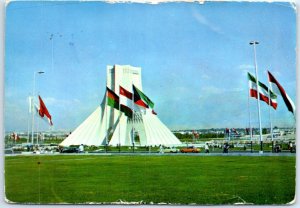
<point>194,59</point>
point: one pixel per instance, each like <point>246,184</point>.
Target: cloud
<point>204,21</point>
<point>246,66</point>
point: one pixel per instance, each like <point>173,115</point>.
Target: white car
<point>171,150</point>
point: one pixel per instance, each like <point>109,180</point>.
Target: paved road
<point>255,154</point>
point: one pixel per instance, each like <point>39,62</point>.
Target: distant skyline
<point>194,59</point>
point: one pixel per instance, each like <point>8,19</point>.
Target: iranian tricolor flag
<point>263,91</point>
<point>276,87</point>
<point>126,102</point>
<point>43,111</point>
<point>112,98</point>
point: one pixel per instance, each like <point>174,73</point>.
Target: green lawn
<point>169,179</point>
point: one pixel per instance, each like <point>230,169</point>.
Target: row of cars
<point>190,149</point>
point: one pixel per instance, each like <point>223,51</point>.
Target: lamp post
<point>32,104</point>
<point>254,43</point>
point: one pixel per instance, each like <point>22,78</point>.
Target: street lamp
<point>32,103</point>
<point>254,43</point>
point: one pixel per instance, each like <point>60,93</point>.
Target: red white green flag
<point>263,91</point>
<point>142,100</point>
<point>112,98</point>
<point>126,102</point>
<point>279,89</point>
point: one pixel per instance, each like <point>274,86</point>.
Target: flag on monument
<point>264,91</point>
<point>141,99</point>
<point>276,87</point>
<point>126,102</point>
<point>43,111</point>
<point>112,98</point>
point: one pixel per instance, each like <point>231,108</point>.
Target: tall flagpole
<point>33,111</point>
<point>32,103</point>
<point>250,128</point>
<point>120,115</point>
<point>271,130</point>
<point>106,122</point>
<point>254,43</point>
<point>28,117</point>
<point>37,132</point>
<point>132,98</point>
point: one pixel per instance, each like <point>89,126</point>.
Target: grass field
<point>150,179</point>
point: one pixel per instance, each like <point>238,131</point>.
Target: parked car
<point>49,147</point>
<point>69,150</point>
<point>171,150</point>
<point>191,149</point>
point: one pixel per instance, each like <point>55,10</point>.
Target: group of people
<point>291,147</point>
<point>225,147</point>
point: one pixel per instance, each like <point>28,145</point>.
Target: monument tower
<point>108,125</point>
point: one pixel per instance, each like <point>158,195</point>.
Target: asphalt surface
<point>255,154</point>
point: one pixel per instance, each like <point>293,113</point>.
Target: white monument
<point>107,125</point>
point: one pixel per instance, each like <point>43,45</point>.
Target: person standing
<point>206,148</point>
<point>291,147</point>
<point>81,148</point>
<point>161,149</point>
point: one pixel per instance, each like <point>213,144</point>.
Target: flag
<point>15,136</point>
<point>264,91</point>
<point>278,88</point>
<point>43,111</point>
<point>126,102</point>
<point>112,99</point>
<point>196,135</point>
<point>227,131</point>
<point>234,131</point>
<point>142,100</point>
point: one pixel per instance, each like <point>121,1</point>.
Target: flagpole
<point>271,130</point>
<point>258,96</point>
<point>33,112</point>
<point>250,129</point>
<point>37,132</point>
<point>132,98</point>
<point>106,122</point>
<point>120,114</point>
<point>28,118</point>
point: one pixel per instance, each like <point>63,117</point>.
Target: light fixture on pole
<point>254,43</point>
<point>32,103</point>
